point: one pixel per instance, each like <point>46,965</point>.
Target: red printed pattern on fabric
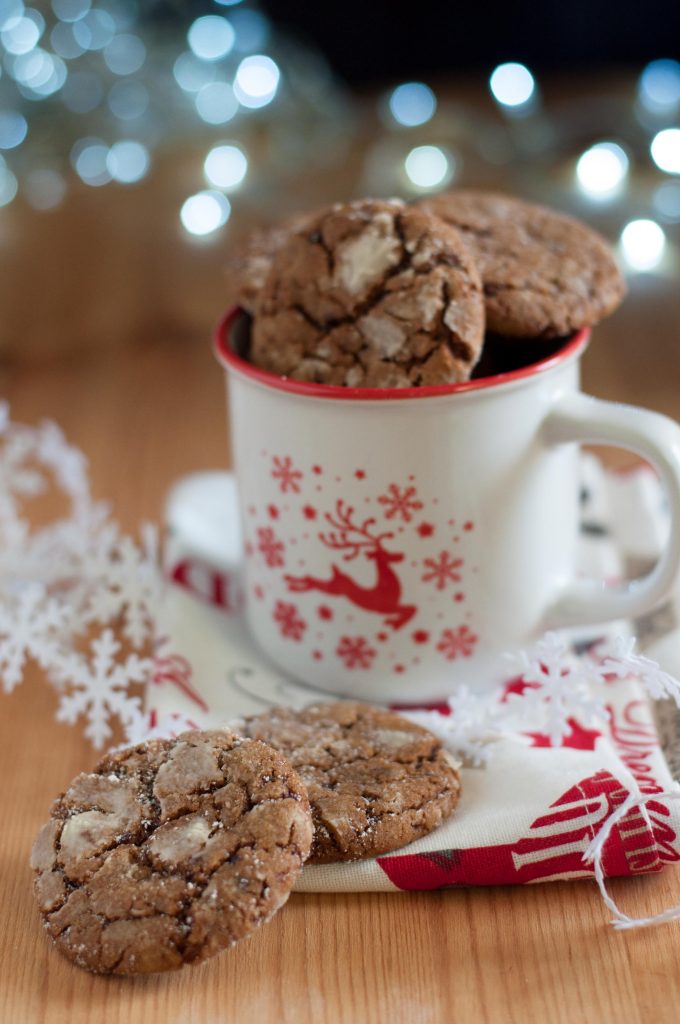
<point>553,847</point>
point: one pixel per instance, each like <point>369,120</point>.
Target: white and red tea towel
<point>532,810</point>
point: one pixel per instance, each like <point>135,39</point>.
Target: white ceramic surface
<point>396,544</point>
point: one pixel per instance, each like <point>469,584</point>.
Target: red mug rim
<point>231,361</point>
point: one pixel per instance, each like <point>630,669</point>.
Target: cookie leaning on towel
<point>375,780</point>
<point>173,850</point>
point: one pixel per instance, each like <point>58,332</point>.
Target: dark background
<point>374,40</point>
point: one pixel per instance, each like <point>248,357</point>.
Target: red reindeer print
<point>384,597</point>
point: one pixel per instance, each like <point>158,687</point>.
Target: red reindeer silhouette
<point>384,597</point>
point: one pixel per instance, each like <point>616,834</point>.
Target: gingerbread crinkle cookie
<point>371,294</point>
<point>170,851</point>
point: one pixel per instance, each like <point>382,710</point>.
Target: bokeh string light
<point>602,169</point>
<point>412,103</point>
<point>429,167</point>
<point>619,176</point>
<point>659,88</point>
<point>205,212</point>
<point>513,86</point>
<point>226,166</point>
<point>643,243</point>
<point>112,85</point>
<point>211,37</point>
<point>115,85</point>
<point>665,150</point>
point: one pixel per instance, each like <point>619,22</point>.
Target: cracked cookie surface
<point>371,294</point>
<point>375,780</point>
<point>544,274</point>
<point>170,851</point>
<point>248,267</point>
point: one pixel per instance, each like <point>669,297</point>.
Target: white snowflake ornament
<point>623,662</point>
<point>559,686</point>
<point>474,724</point>
<point>151,727</point>
<point>67,463</point>
<point>57,580</point>
<point>30,625</point>
<point>97,687</point>
<point>129,585</point>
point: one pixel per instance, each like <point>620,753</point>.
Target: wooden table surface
<point>145,414</point>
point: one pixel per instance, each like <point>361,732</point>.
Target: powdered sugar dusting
<point>385,335</point>
<point>368,257</point>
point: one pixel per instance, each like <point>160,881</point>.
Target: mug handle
<point>580,418</point>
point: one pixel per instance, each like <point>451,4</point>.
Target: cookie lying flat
<point>371,294</point>
<point>544,274</point>
<point>375,780</point>
<point>170,851</point>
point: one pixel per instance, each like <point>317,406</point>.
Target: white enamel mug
<point>399,541</point>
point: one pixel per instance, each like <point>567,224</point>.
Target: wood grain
<point>543,953</point>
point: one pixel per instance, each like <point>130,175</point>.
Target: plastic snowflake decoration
<point>29,628</point>
<point>129,586</point>
<point>355,652</point>
<point>401,502</point>
<point>442,570</point>
<point>622,663</point>
<point>31,458</point>
<point>18,480</point>
<point>560,686</point>
<point>68,463</point>
<point>151,727</point>
<point>97,687</point>
<point>287,476</point>
<point>64,583</point>
<point>472,727</point>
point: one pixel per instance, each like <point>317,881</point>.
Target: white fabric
<point>519,800</point>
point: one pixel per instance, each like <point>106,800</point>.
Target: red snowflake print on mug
<point>400,540</point>
<point>357,571</point>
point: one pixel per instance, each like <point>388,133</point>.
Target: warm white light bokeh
<point>665,150</point>
<point>226,166</point>
<point>643,243</point>
<point>205,212</point>
<point>602,170</point>
<point>429,167</point>
<point>412,104</point>
<point>512,84</point>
